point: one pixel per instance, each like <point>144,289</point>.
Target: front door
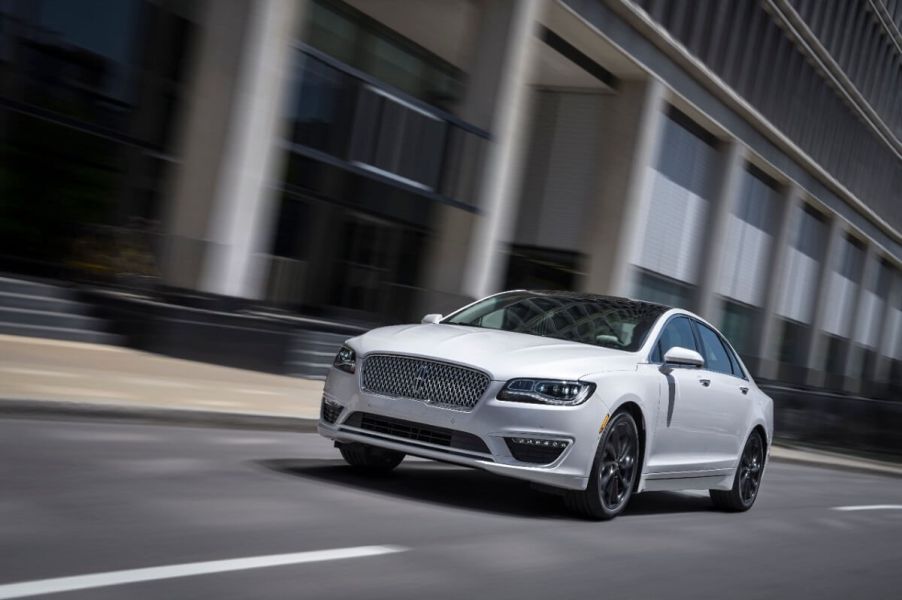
<point>684,442</point>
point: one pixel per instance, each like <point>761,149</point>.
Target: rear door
<point>730,408</point>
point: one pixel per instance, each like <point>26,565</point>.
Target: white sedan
<point>595,397</point>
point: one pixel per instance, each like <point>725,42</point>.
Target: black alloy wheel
<point>750,467</point>
<point>614,472</point>
<point>618,467</point>
<point>747,480</point>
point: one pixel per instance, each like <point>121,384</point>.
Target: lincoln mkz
<point>595,397</point>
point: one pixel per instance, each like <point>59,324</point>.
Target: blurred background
<point>200,200</point>
<point>248,183</point>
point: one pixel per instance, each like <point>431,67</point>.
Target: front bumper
<point>491,420</point>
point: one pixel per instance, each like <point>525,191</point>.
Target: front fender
<point>618,390</point>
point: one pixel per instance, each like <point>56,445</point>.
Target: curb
<point>835,461</point>
<point>23,409</point>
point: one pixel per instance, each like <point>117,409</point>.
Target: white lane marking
<point>869,507</point>
<point>81,582</point>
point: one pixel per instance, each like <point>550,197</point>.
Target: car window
<point>737,366</point>
<point>716,358</point>
<point>615,323</point>
<point>678,332</point>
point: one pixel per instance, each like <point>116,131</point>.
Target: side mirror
<point>431,318</point>
<point>683,357</point>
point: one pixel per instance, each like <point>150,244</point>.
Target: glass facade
<point>739,324</point>
<point>373,148</point>
<point>654,288</point>
<point>352,38</point>
<point>88,95</point>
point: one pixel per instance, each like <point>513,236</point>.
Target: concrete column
<point>466,258</point>
<point>499,189</point>
<point>223,203</point>
<point>855,354</point>
<point>707,300</point>
<point>768,341</point>
<point>817,344</point>
<point>632,131</point>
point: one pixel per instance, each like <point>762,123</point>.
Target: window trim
<point>650,357</point>
<point>732,357</point>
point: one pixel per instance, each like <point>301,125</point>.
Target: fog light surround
<point>330,411</point>
<point>540,451</point>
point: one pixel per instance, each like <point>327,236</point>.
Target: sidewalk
<point>48,376</point>
<point>74,373</point>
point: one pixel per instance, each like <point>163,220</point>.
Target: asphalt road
<point>79,498</point>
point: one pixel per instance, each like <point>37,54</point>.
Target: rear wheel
<point>614,472</point>
<point>747,479</point>
<point>370,458</point>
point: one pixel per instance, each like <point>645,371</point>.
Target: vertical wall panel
<point>562,170</point>
<point>869,314</point>
<point>681,183</point>
<point>840,302</point>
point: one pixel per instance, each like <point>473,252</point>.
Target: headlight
<point>546,391</point>
<point>345,360</point>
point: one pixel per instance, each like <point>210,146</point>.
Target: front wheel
<point>747,479</point>
<point>370,458</point>
<point>614,472</point>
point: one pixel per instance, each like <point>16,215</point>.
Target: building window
<point>654,288</point>
<point>793,345</point>
<point>811,237</point>
<point>739,325</point>
<point>363,43</point>
<point>542,269</point>
<point>852,262</point>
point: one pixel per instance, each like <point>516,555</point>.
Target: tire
<point>615,471</point>
<point>746,481</point>
<point>370,458</point>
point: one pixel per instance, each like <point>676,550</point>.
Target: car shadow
<point>470,489</point>
<point>435,483</point>
<point>658,503</point>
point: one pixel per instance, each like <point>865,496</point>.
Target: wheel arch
<point>632,406</point>
<point>759,427</point>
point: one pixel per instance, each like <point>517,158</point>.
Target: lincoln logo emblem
<point>419,381</point>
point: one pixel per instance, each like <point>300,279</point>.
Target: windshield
<point>598,320</point>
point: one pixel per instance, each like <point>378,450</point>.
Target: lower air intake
<point>417,432</point>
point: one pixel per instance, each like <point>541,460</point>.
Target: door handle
<point>743,389</point>
<point>705,382</point>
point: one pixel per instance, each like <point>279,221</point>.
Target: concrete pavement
<point>79,373</point>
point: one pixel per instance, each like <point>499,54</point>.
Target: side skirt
<point>719,481</point>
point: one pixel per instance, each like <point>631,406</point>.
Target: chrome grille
<point>431,381</point>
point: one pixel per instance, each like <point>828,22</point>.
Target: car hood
<point>503,354</point>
